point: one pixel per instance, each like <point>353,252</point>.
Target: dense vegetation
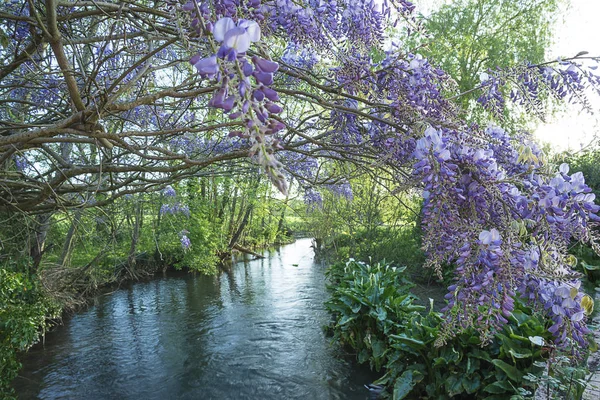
<point>132,134</point>
<point>375,315</point>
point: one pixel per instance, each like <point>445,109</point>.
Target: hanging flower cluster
<point>245,91</point>
<point>470,198</point>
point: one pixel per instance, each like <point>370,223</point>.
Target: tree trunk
<point>283,209</point>
<point>135,235</point>
<point>241,226</point>
<point>68,246</point>
<point>38,239</point>
<point>232,211</point>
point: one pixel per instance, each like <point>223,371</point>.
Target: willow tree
<point>102,99</point>
<point>470,37</point>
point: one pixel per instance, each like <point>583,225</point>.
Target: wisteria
<point>98,105</point>
<point>468,190</point>
<point>566,79</point>
<point>491,207</point>
<point>186,243</point>
<point>254,103</point>
<point>175,208</point>
<point>169,191</point>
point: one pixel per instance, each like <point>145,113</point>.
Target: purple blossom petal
<point>273,108</point>
<point>223,26</point>
<point>578,316</point>
<point>228,103</point>
<point>270,93</point>
<point>207,66</point>
<point>263,77</point>
<point>237,39</point>
<point>265,65</point>
<point>252,28</point>
<point>258,95</point>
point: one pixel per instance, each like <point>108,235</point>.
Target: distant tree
<point>469,37</point>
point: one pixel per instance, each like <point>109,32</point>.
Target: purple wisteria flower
<point>235,38</point>
<point>169,191</point>
<point>252,102</point>
<point>186,244</point>
<point>174,209</point>
<point>21,163</point>
<point>491,237</point>
<point>313,198</point>
<point>491,207</point>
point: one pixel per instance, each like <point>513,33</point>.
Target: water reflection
<point>254,332</point>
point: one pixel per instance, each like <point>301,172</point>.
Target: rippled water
<point>253,333</point>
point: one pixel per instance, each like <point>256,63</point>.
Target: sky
<point>576,31</point>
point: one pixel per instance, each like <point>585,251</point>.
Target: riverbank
<point>33,306</point>
<point>253,332</point>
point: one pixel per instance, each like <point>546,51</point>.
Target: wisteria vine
<point>493,206</point>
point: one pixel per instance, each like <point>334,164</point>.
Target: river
<point>252,333</point>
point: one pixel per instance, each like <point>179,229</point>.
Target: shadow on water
<point>254,332</point>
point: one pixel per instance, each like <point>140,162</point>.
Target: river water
<point>252,333</point>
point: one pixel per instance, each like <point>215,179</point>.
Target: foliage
<point>471,36</point>
<point>23,314</point>
<point>375,316</point>
<point>588,162</point>
<point>469,39</point>
<point>371,223</point>
<point>384,243</point>
<point>562,379</point>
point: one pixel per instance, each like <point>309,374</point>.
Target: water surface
<point>252,333</point>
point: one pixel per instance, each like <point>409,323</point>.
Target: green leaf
<point>363,356</point>
<point>481,354</point>
<point>498,387</point>
<point>473,364</point>
<point>403,385</point>
<point>439,361</point>
<point>511,371</point>
<point>381,314</point>
<point>590,267</point>
<point>519,317</point>
<point>341,308</point>
<point>414,343</point>
<point>454,385</point>
<point>471,383</point>
<point>379,348</point>
<point>377,55</point>
<point>526,354</point>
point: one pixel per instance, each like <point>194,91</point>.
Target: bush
<point>23,313</point>
<point>375,316</point>
<point>383,243</point>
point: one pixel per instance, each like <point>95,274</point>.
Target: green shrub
<point>375,316</point>
<point>383,243</point>
<point>23,313</point>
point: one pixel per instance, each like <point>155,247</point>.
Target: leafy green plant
<point>374,315</point>
<point>366,301</point>
<point>23,313</point>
